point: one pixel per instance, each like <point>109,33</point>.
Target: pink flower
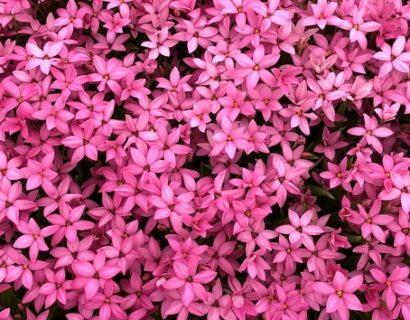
<point>372,220</point>
<point>84,143</point>
<point>159,43</point>
<point>358,27</point>
<point>43,58</point>
<point>40,173</point>
<point>393,57</point>
<point>323,13</point>
<point>91,277</point>
<point>340,294</point>
<point>187,279</point>
<point>55,287</point>
<point>33,237</point>
<point>173,207</point>
<point>371,132</point>
<point>228,139</point>
<point>255,68</point>
<point>331,142</point>
<point>108,74</point>
<point>392,285</point>
<point>300,229</point>
<point>12,201</point>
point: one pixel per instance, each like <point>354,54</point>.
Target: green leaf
<point>8,299</point>
<point>318,191</point>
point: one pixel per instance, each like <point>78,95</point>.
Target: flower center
<point>356,26</point>
<point>256,67</point>
<point>405,230</point>
<point>189,279</point>
<point>339,293</point>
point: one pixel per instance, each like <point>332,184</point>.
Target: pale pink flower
<point>393,57</point>
<point>43,58</point>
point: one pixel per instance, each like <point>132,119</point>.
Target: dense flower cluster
<point>217,159</point>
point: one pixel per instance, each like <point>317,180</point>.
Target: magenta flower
<point>84,143</point>
<point>159,43</point>
<point>371,132</point>
<point>43,58</point>
<point>55,287</point>
<point>190,281</point>
<point>40,173</point>
<point>300,229</point>
<point>392,285</point>
<point>228,139</point>
<point>255,68</point>
<point>340,294</point>
<point>12,201</point>
<point>92,277</point>
<point>393,57</point>
<point>323,13</point>
<point>33,237</point>
<point>108,74</point>
<point>69,223</point>
<point>372,221</point>
<point>173,207</point>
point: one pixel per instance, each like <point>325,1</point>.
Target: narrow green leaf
<point>318,191</point>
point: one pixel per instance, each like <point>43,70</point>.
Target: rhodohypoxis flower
<point>92,276</point>
<point>108,74</point>
<point>372,220</point>
<point>300,228</point>
<point>358,27</point>
<point>228,139</point>
<point>55,287</point>
<point>69,223</point>
<point>9,167</point>
<point>400,189</point>
<point>84,142</point>
<point>12,201</point>
<point>393,57</point>
<point>340,295</point>
<point>331,142</point>
<point>40,173</point>
<point>255,68</point>
<point>323,13</point>
<point>108,303</point>
<point>33,237</point>
<point>159,43</point>
<point>173,207</point>
<point>173,159</point>
<point>43,58</point>
<point>401,229</point>
<point>392,285</point>
<point>288,253</point>
<point>189,281</point>
<point>371,132</point>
